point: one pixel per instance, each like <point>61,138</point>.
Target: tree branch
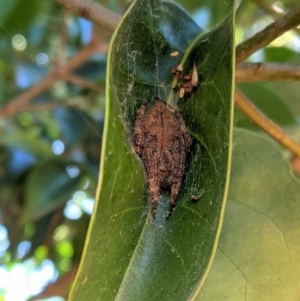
<point>41,107</point>
<point>264,123</point>
<point>79,81</point>
<point>259,72</point>
<point>22,100</point>
<point>269,34</point>
<point>270,10</point>
<point>93,11</point>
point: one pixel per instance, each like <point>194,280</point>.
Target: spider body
<point>162,142</point>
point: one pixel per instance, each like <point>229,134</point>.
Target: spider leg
<point>174,193</point>
<point>138,138</point>
<point>181,145</point>
<point>187,141</point>
<point>169,157</point>
<point>153,174</point>
<point>154,195</point>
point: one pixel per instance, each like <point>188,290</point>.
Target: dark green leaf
<point>281,54</point>
<point>48,186</point>
<point>258,255</point>
<point>212,11</point>
<point>128,256</point>
<point>268,103</point>
<point>18,14</point>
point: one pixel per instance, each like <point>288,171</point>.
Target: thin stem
<point>259,72</point>
<point>41,107</point>
<point>79,81</point>
<point>269,34</point>
<point>264,123</point>
<point>93,11</point>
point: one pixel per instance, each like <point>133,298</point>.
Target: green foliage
<point>27,143</point>
<point>257,257</point>
<point>49,184</point>
<point>7,7</point>
<point>268,103</point>
<point>281,55</point>
<point>17,14</point>
<point>131,256</point>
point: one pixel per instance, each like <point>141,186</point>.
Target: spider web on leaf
<point>140,60</point>
<point>178,251</point>
<point>140,69</point>
<point>167,257</point>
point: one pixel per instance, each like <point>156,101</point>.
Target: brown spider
<point>162,142</point>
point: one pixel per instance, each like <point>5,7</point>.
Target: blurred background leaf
<point>257,253</point>
<point>13,17</point>
<point>268,103</point>
<point>49,184</point>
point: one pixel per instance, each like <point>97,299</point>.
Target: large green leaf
<point>128,256</point>
<point>273,106</point>
<point>258,254</point>
<point>48,186</point>
<point>288,92</point>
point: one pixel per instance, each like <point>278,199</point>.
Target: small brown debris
<point>195,78</point>
<point>188,88</point>
<point>186,83</point>
<point>195,198</point>
<point>181,92</point>
<point>179,68</point>
<point>84,12</point>
<point>174,54</point>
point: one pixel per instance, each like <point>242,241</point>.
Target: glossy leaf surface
<point>128,256</point>
<point>258,252</point>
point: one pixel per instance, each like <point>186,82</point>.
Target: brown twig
<point>259,72</point>
<point>264,123</point>
<point>270,10</point>
<point>22,100</point>
<point>93,11</point>
<point>40,107</point>
<point>79,81</point>
<point>269,34</point>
